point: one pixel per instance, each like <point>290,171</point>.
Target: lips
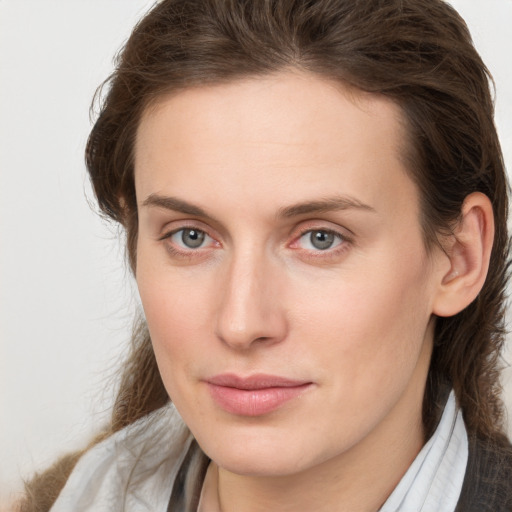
<point>255,395</point>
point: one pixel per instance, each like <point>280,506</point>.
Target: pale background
<point>66,300</point>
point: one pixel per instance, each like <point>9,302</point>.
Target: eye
<point>320,240</point>
<point>190,238</point>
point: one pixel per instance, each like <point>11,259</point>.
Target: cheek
<point>370,321</point>
<point>179,309</point>
<point>173,298</point>
<point>167,305</point>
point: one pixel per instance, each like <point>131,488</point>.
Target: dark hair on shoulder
<point>420,54</point>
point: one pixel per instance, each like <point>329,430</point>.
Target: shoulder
<point>487,484</point>
<point>131,470</point>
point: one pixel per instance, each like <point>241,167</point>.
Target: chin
<point>262,454</point>
<point>261,465</point>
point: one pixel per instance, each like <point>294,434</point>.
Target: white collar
<point>433,482</point>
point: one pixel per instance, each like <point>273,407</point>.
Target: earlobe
<point>469,251</point>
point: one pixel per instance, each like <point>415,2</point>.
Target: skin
<point>355,320</point>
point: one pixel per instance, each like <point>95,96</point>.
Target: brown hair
<point>418,53</point>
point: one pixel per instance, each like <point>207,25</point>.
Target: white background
<point>66,299</point>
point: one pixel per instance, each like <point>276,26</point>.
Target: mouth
<point>255,395</point>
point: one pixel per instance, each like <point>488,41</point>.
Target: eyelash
<point>328,253</point>
<point>340,247</point>
<point>183,252</point>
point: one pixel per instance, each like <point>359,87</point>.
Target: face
<point>282,270</point>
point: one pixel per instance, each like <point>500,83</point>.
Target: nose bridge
<point>249,308</point>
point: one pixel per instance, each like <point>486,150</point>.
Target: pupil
<point>322,240</point>
<point>192,237</point>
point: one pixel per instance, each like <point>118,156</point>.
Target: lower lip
<point>254,402</point>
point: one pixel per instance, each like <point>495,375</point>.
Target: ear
<point>469,251</point>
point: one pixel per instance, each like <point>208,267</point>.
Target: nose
<point>250,310</point>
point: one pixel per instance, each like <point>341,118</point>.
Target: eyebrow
<point>329,204</point>
<point>174,204</point>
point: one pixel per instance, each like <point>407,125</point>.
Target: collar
<point>434,479</point>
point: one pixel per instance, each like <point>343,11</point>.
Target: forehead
<point>283,103</point>
<point>290,132</point>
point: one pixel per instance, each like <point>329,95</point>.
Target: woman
<point>315,207</point>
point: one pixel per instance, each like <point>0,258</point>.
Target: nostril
<point>262,339</point>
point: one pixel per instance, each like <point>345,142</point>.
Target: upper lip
<point>258,381</point>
